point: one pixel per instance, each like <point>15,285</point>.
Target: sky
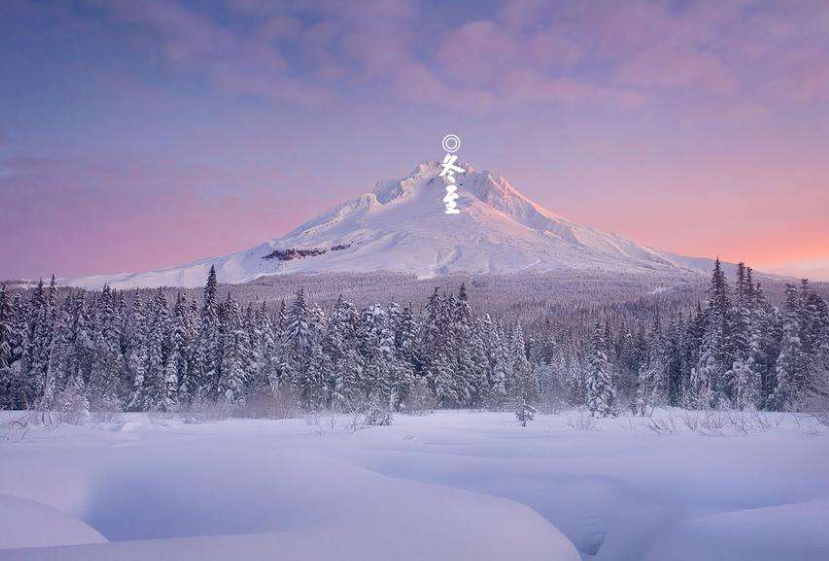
<point>137,134</point>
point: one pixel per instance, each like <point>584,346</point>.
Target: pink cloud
<point>528,86</point>
<point>336,54</point>
<point>661,67</point>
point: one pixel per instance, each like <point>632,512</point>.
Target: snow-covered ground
<point>451,485</point>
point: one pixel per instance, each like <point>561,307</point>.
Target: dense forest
<point>73,350</point>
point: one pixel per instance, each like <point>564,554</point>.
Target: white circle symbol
<point>451,143</point>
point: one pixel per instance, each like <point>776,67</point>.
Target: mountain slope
<point>401,226</point>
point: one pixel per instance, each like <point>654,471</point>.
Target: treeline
<point>159,356</point>
<point>106,352</point>
<point>736,352</point>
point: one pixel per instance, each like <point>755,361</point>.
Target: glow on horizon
<point>147,133</point>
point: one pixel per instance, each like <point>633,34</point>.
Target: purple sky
<point>136,134</point>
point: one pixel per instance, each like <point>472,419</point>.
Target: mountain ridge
<point>400,226</point>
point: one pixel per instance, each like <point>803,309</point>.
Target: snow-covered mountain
<point>401,226</point>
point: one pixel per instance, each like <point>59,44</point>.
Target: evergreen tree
<point>792,365</point>
<point>652,389</point>
<point>236,354</point>
<point>601,395</point>
<point>138,353</point>
<point>208,346</point>
<point>181,363</point>
<point>407,335</point>
<point>501,369</point>
<point>523,384</point>
<point>480,366</point>
<point>108,364</point>
<point>7,343</point>
<point>314,386</point>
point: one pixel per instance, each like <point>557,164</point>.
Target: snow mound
<point>793,531</point>
<point>25,523</point>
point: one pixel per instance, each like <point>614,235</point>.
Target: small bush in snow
<point>420,400</point>
<point>524,412</point>
<point>378,417</point>
<point>74,407</point>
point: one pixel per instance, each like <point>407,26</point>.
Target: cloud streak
<point>332,52</point>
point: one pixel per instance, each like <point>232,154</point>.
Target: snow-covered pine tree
<point>182,347</point>
<point>340,346</point>
<point>501,369</point>
<point>7,343</point>
<point>263,346</point>
<point>481,369</point>
<point>208,345</point>
<point>524,384</point>
<point>236,354</point>
<point>314,386</point>
<point>60,368</point>
<point>298,333</point>
<point>297,338</point>
<point>675,345</point>
<point>792,364</point>
<point>108,363</point>
<point>652,390</point>
<point>524,412</point>
<point>151,393</point>
<point>376,344</point>
<point>72,402</point>
<point>138,354</point>
<point>464,368</point>
<point>407,335</point>
<point>601,395</point>
<point>401,371</point>
<point>434,332</point>
<point>813,334</point>
<point>765,344</point>
<point>280,321</point>
<point>709,387</point>
<point>19,322</point>
<point>37,344</point>
<point>742,382</point>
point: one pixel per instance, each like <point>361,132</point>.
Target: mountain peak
<point>401,226</point>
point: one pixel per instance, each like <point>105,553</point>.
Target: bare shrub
<point>203,411</point>
<point>74,407</point>
<point>818,404</point>
<point>280,403</point>
<point>106,410</point>
<point>20,425</point>
<point>803,429</point>
<point>713,423</point>
<point>378,415</point>
<point>662,425</point>
<point>691,420</point>
<point>106,416</point>
<point>552,405</point>
<point>313,419</point>
<point>766,421</point>
<point>583,422</point>
<point>162,418</point>
<point>750,423</point>
<point>355,410</point>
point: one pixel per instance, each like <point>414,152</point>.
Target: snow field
<point>450,485</point>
